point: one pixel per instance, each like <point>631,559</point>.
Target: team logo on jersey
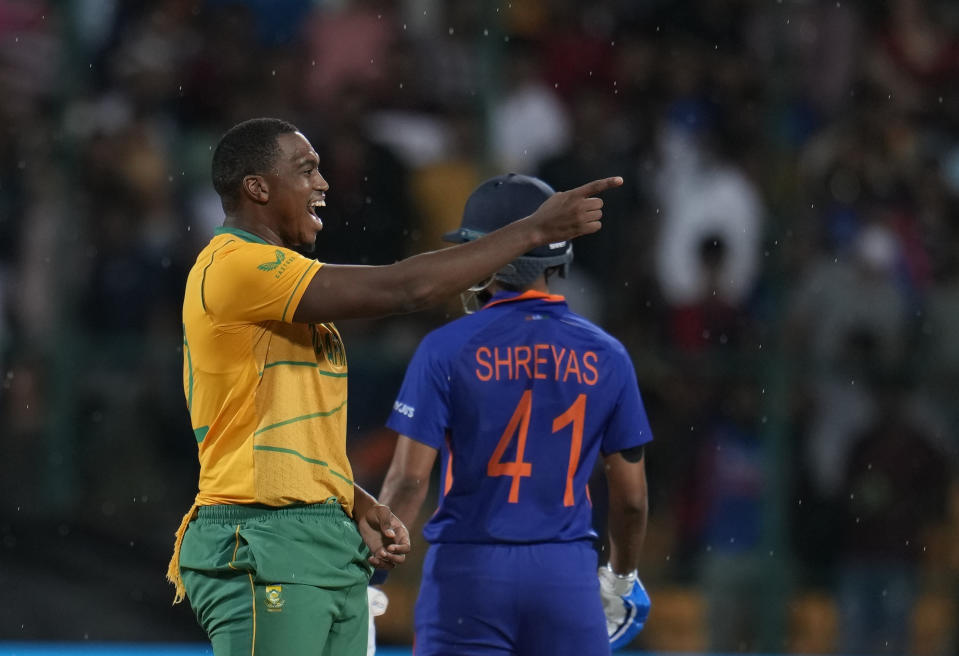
<point>274,598</point>
<point>269,266</point>
<point>327,341</point>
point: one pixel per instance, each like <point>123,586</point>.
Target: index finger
<point>597,186</point>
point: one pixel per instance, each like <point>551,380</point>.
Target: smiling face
<point>297,191</point>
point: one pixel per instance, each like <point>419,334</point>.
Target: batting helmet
<point>498,202</point>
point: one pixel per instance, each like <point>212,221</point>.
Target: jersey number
<point>519,425</point>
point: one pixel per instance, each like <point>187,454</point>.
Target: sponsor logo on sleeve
<point>403,409</point>
<point>269,266</point>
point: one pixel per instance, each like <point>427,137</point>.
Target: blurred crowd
<point>782,263</point>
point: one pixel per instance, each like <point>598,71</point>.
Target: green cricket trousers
<point>278,581</point>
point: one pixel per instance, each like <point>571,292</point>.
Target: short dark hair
<point>247,148</point>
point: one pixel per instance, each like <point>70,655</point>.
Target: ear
<point>256,188</point>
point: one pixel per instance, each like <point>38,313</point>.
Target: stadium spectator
<point>893,487</point>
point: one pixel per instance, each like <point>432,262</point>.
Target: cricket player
<point>518,400</point>
<point>276,552</point>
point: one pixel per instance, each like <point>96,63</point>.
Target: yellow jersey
<point>267,397</point>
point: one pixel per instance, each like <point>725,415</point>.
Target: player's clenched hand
<point>569,214</point>
<point>385,535</point>
<point>625,604</point>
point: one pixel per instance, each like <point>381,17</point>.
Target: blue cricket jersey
<point>519,398</point>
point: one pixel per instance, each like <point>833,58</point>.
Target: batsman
<point>519,399</point>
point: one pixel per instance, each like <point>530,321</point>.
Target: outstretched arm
<point>408,478</point>
<point>349,292</point>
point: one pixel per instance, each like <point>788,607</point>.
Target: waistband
<point>229,513</point>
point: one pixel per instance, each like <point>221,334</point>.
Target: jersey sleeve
<point>421,409</point>
<point>256,282</point>
<point>628,424</point>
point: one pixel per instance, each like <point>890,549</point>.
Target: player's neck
<point>538,285</point>
<point>254,227</point>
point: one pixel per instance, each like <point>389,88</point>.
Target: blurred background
<point>782,264</point>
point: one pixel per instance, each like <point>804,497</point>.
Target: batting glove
<point>378,602</point>
<point>625,603</point>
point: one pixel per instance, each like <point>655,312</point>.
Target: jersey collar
<point>242,234</point>
<point>530,294</point>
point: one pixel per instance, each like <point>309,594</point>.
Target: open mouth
<point>315,208</point>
